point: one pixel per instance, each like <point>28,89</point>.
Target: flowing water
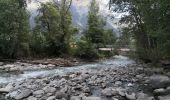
<point>116,61</point>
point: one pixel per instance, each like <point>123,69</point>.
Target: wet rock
<point>84,75</point>
<point>48,89</point>
<point>1,63</point>
<point>164,97</point>
<point>168,90</point>
<point>75,98</point>
<point>118,83</point>
<point>86,89</point>
<point>159,81</point>
<point>72,75</point>
<point>32,98</point>
<point>140,77</point>
<point>121,92</point>
<point>60,95</point>
<point>51,98</point>
<point>62,81</point>
<point>12,94</point>
<point>7,89</point>
<point>129,84</point>
<point>65,89</point>
<point>14,69</point>
<point>91,98</point>
<point>131,96</point>
<point>142,96</point>
<point>38,92</point>
<point>25,93</point>
<point>103,85</point>
<point>160,91</point>
<point>114,98</point>
<point>157,70</point>
<point>109,92</point>
<point>50,65</point>
<point>4,90</point>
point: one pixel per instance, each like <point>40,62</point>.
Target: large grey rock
<point>131,96</point>
<point>160,91</point>
<point>75,98</point>
<point>142,96</point>
<point>91,98</point>
<point>159,81</point>
<point>38,92</point>
<point>51,98</point>
<point>4,90</point>
<point>60,95</point>
<point>1,63</point>
<point>86,89</point>
<point>72,75</point>
<point>121,92</point>
<point>109,92</point>
<point>7,89</point>
<point>168,90</point>
<point>118,83</point>
<point>24,94</point>
<point>114,98</point>
<point>49,89</point>
<point>32,98</point>
<point>164,97</point>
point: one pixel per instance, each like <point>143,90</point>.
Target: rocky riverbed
<point>102,81</point>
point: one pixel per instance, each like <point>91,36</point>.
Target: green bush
<point>86,49</point>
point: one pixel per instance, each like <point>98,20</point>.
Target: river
<point>116,61</point>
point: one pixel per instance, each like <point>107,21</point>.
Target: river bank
<point>116,79</point>
<point>18,66</point>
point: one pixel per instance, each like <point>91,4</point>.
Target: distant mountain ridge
<point>79,10</point>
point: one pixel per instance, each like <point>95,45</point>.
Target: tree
<point>14,28</point>
<point>96,36</point>
<point>96,23</point>
<point>55,26</point>
<point>149,22</point>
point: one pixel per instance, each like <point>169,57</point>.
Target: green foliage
<point>14,29</point>
<point>53,30</point>
<point>96,23</point>
<point>85,49</point>
<point>96,35</point>
<point>148,21</point>
<point>109,37</point>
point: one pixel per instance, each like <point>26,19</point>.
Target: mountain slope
<point>79,10</point>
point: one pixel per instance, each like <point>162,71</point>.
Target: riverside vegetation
<point>53,33</point>
<point>145,27</point>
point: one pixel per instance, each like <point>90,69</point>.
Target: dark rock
<point>164,97</point>
<point>160,91</point>
<point>60,95</point>
<point>112,91</point>
<point>131,96</point>
<point>159,81</point>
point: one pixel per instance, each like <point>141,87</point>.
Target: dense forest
<point>53,34</point>
<point>145,22</point>
<point>148,22</point>
<point>56,59</point>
